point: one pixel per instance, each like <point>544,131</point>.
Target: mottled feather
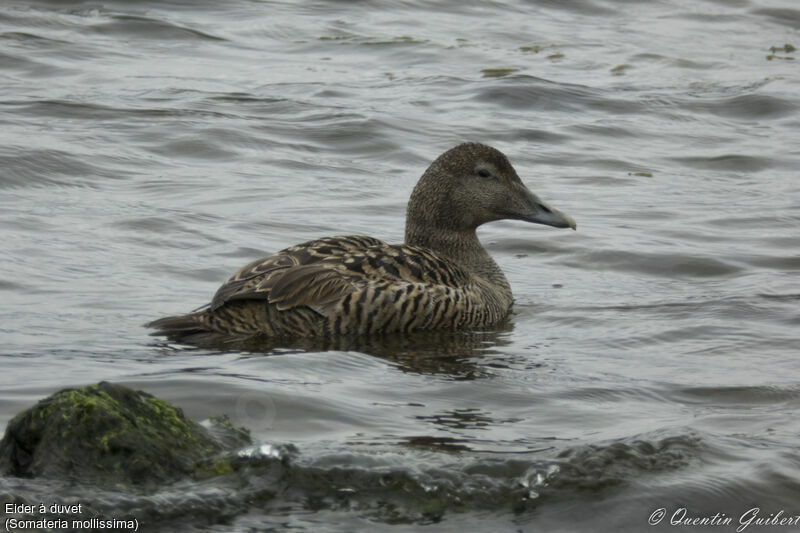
<point>252,280</point>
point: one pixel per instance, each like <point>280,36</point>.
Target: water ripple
<point>149,148</point>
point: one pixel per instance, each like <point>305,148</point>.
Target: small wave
<point>529,92</point>
<point>727,162</point>
<point>747,107</point>
<point>786,16</point>
<point>656,264</point>
<point>781,297</point>
<point>13,286</point>
<point>82,110</point>
<point>31,38</point>
<point>144,27</point>
<point>745,396</point>
<point>35,68</point>
<point>42,167</point>
<point>205,148</point>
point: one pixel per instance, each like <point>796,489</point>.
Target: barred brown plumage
<point>440,278</point>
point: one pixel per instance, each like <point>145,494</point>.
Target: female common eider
<point>441,278</point>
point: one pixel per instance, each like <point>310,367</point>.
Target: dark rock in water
<point>108,435</point>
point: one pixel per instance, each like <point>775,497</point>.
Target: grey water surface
<point>652,362</point>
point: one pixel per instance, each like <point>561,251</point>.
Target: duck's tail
<point>179,327</point>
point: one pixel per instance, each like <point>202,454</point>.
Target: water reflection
<point>439,444</point>
<point>452,353</point>
<point>461,419</point>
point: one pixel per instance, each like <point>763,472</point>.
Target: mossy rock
<point>105,434</point>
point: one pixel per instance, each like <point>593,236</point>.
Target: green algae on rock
<point>105,434</point>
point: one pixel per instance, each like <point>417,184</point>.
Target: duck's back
<point>344,285</point>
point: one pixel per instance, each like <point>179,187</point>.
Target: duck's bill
<point>539,212</point>
<point>553,217</point>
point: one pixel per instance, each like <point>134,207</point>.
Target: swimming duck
<point>440,278</point>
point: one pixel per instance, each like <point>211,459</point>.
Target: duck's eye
<point>484,173</point>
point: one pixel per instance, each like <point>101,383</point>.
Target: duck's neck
<point>463,248</point>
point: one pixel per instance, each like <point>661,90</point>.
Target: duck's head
<point>470,185</point>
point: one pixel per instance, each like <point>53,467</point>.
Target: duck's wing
<point>257,279</point>
<point>381,266</point>
<point>319,273</point>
